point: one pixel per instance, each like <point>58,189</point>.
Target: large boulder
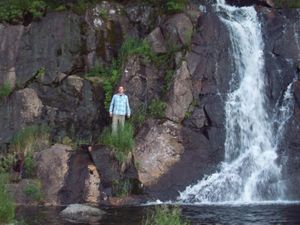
<point>180,95</point>
<point>52,168</point>
<point>23,107</point>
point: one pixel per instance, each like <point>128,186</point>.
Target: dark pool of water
<point>287,214</point>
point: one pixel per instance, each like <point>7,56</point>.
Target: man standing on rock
<point>119,108</point>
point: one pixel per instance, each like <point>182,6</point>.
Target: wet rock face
<point>281,30</point>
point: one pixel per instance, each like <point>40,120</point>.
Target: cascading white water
<point>249,172</point>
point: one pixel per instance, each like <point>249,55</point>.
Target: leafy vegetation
<point>121,143</point>
<point>287,3</point>
<point>156,109</point>
<point>18,10</point>
<point>29,166</point>
<point>7,162</point>
<point>7,207</point>
<point>5,90</point>
<point>33,190</point>
<point>163,215</point>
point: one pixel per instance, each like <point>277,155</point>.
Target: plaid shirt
<point>119,105</point>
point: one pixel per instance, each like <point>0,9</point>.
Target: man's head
<point>121,90</point>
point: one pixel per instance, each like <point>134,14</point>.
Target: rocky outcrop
<point>180,95</point>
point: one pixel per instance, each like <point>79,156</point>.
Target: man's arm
<point>128,107</point>
<point>111,107</point>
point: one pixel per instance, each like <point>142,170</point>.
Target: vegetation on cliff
<point>7,208</point>
<point>287,3</point>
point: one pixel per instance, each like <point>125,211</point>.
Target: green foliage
<point>30,139</point>
<point>33,190</point>
<point>287,3</point>
<point>7,162</point>
<point>156,109</point>
<point>138,118</point>
<point>168,80</point>
<point>7,207</point>
<point>16,10</point>
<point>121,143</point>
<point>169,6</point>
<point>121,188</point>
<point>163,215</point>
<point>5,90</point>
<point>29,166</point>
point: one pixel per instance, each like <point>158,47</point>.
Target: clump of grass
<point>121,142</point>
<point>169,6</point>
<point>30,139</point>
<point>30,166</point>
<point>7,207</point>
<point>5,90</point>
<point>163,215</point>
<point>33,190</point>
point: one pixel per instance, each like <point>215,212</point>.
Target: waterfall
<point>249,172</point>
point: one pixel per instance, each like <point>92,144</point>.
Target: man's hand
<point>110,114</point>
<point>128,116</point>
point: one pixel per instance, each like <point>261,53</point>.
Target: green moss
<point>5,90</point>
<point>162,215</point>
<point>7,207</point>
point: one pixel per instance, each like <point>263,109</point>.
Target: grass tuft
<point>121,143</point>
<point>163,215</point>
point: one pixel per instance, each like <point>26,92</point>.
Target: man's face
<point>121,90</point>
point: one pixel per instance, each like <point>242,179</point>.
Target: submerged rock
<point>82,213</point>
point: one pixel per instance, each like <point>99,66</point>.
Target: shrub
<point>30,139</point>
<point>7,162</point>
<point>121,143</point>
<point>5,90</point>
<point>17,10</point>
<point>156,109</point>
<point>163,215</point>
<point>34,191</point>
<point>169,6</point>
<point>7,207</point>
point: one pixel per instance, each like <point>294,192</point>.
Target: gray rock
<point>142,82</point>
<point>158,147</point>
<point>177,31</point>
<point>82,213</point>
<point>52,168</point>
<point>156,40</point>
<point>180,95</point>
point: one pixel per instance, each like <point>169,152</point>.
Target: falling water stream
<point>250,172</point>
